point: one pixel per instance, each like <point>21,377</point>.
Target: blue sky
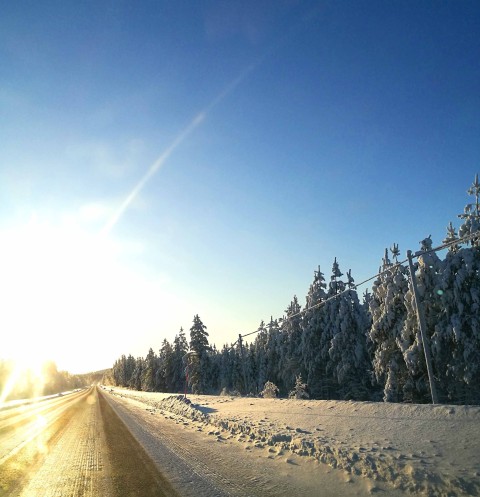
<point>302,131</point>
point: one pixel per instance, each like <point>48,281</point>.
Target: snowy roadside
<point>418,448</point>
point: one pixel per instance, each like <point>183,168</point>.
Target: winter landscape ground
<point>394,449</point>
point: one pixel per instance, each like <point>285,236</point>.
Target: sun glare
<point>69,295</point>
<point>51,278</point>
<point>25,378</point>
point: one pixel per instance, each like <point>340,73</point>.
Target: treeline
<point>27,383</point>
<point>344,348</point>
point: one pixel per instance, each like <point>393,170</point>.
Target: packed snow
<point>419,449</point>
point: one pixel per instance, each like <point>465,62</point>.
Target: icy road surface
<point>73,445</point>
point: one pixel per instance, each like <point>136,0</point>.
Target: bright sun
<point>51,279</point>
<point>74,297</point>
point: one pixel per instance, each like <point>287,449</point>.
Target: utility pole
<point>243,364</point>
<point>422,337</point>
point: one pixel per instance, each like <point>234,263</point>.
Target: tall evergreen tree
<point>471,215</point>
<point>329,325</point>
<point>136,378</point>
<point>427,273</point>
<point>200,363</point>
<point>149,372</point>
<point>291,364</point>
<point>456,341</point>
<point>388,313</point>
<point>451,237</point>
<point>164,377</point>
<point>198,336</point>
<point>273,351</point>
<point>347,353</point>
<point>180,348</point>
<point>314,364</point>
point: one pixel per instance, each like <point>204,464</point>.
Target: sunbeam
<point>181,137</point>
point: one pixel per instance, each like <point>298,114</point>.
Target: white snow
<point>420,449</point>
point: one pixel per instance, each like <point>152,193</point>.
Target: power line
<point>354,287</point>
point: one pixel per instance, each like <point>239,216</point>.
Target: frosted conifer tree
<point>456,341</point>
<point>225,370</point>
<point>471,215</point>
<point>180,348</point>
<point>428,274</point>
<point>270,390</point>
<point>313,364</point>
<point>131,366</point>
<point>291,358</point>
<point>149,372</point>
<point>273,351</point>
<point>451,237</point>
<point>347,325</point>
<point>329,326</point>
<point>299,390</point>
<point>388,314</point>
<point>165,371</point>
<point>200,362</point>
<point>136,378</point>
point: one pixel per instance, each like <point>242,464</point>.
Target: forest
<point>339,346</point>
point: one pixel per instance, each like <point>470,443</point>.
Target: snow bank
<point>416,448</point>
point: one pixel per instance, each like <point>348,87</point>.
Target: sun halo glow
<point>77,298</point>
<point>51,277</point>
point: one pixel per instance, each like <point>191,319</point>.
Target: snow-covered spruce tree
<point>225,369</point>
<point>428,274</point>
<point>451,237</point>
<point>164,376</point>
<point>236,383</point>
<point>270,390</point>
<point>388,314</point>
<point>214,370</point>
<point>299,390</point>
<point>367,297</point>
<point>456,341</point>
<point>273,351</point>
<point>314,366</point>
<point>347,324</point>
<point>118,372</point>
<point>471,215</point>
<point>200,362</point>
<point>136,378</point>
<point>130,366</point>
<point>149,372</point>
<point>329,326</point>
<point>291,363</point>
<point>180,348</point>
<point>123,370</point>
